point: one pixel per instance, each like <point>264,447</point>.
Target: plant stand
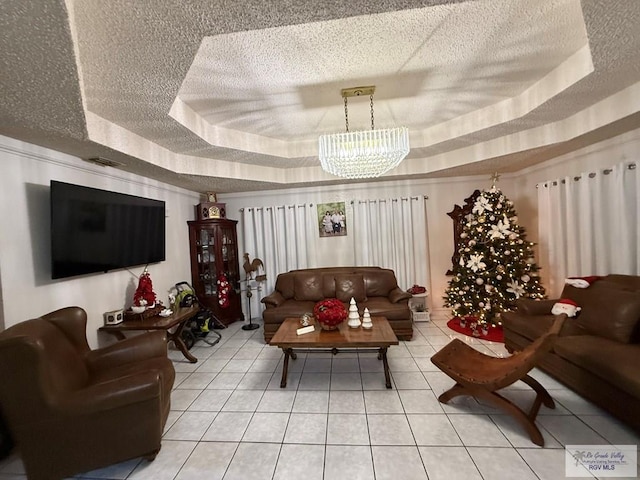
<point>418,306</point>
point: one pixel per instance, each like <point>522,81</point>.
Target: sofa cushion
<point>349,286</point>
<point>532,327</point>
<point>378,283</point>
<point>625,282</point>
<point>614,362</point>
<point>289,309</point>
<point>307,286</point>
<point>284,285</point>
<point>382,307</point>
<point>608,312</point>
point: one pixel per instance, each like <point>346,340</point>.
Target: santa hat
<point>565,305</point>
<point>581,282</point>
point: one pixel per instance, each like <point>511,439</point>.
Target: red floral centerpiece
<point>330,313</point>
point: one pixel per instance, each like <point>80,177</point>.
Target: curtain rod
<point>425,197</point>
<point>277,207</point>
<point>606,171</point>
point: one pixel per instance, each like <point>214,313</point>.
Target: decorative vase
<point>327,326</point>
<point>354,317</point>
<point>366,319</point>
<point>138,308</point>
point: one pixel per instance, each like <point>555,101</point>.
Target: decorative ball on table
<point>330,313</point>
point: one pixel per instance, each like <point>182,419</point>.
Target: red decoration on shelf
<point>144,295</point>
<point>223,291</point>
<point>417,289</point>
<point>330,313</point>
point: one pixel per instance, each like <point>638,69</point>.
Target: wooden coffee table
<point>381,336</point>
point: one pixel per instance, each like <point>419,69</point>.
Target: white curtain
<point>392,233</point>
<point>589,225</point>
<point>284,237</point>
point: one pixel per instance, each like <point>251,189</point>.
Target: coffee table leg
<point>382,354</point>
<point>288,352</point>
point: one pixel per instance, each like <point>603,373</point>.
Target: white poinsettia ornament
<point>482,205</point>
<point>475,263</point>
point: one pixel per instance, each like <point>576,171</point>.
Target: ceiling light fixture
<point>363,154</point>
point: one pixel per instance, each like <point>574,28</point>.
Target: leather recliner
<point>71,409</point>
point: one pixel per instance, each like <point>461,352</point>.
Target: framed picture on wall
<point>332,220</point>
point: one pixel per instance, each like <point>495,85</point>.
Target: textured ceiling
<point>231,97</point>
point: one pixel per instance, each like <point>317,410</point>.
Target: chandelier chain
<point>346,114</point>
<point>371,102</point>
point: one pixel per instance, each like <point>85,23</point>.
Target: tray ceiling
<point>234,98</point>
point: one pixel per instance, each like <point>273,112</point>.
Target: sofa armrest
<point>99,397</point>
<point>273,300</point>
<point>397,295</point>
<point>130,350</point>
<point>528,306</point>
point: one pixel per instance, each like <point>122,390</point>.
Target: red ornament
<point>330,312</point>
<point>144,294</point>
<point>223,291</point>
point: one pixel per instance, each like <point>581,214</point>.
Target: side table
<point>177,319</point>
<point>418,306</point>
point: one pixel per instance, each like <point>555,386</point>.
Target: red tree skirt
<point>493,335</point>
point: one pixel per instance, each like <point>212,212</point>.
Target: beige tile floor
<point>336,420</point>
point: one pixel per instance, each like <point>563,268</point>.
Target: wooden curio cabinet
<point>214,252</point>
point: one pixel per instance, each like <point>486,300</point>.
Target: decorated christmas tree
<point>144,294</point>
<point>496,265</point>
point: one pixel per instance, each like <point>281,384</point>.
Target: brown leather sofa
<point>296,292</point>
<point>598,352</point>
<point>71,409</point>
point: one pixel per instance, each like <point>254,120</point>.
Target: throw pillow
<point>350,285</point>
<point>307,286</point>
<point>612,314</point>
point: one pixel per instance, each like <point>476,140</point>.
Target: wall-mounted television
<point>97,230</point>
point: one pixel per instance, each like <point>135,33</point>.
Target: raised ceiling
<point>226,97</point>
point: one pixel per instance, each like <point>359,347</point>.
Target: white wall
<point>339,251</point>
<point>27,290</point>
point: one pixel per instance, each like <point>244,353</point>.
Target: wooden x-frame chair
<point>481,376</point>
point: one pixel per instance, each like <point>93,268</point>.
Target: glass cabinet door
<point>206,245</point>
<point>229,256</point>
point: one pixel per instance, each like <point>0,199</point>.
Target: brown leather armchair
<point>72,409</point>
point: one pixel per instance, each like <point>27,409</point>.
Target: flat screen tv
<point>97,230</point>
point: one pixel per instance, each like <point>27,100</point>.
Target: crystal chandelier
<point>363,154</point>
